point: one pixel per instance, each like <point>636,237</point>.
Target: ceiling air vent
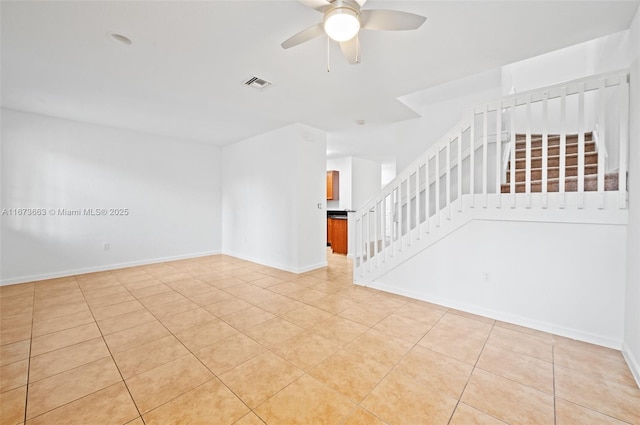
<point>257,83</point>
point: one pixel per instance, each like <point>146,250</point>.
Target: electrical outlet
<point>485,276</point>
<point>106,246</point>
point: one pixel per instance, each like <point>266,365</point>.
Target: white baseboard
<point>66,273</point>
<point>286,268</point>
<point>509,318</point>
<point>633,362</point>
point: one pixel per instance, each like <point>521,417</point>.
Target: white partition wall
<point>272,186</point>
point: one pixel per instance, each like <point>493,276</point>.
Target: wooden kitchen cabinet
<point>333,185</point>
<point>337,229</point>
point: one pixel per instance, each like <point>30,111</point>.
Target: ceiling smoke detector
<point>257,83</point>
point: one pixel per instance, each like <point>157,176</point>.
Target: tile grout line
<point>359,403</point>
<point>26,395</point>
<point>475,365</point>
<point>215,376</point>
<point>111,354</point>
<point>553,374</point>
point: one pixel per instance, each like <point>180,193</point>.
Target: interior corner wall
<point>171,189</point>
<point>579,292</point>
<point>631,345</point>
<point>272,185</point>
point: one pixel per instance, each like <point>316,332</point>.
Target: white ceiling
<point>183,74</point>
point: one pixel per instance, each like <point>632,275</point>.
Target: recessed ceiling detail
<point>257,83</point>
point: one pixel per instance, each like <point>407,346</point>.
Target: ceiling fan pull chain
<point>328,54</point>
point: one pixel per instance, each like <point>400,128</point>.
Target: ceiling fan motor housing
<point>341,20</point>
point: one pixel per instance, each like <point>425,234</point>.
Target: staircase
<point>554,164</point>
<point>540,155</point>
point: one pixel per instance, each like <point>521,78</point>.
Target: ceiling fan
<point>343,19</point>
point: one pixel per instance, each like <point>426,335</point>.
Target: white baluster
<point>409,211</point>
<point>545,148</point>
<point>485,153</point>
<point>400,217</point>
<point>472,159</point>
<point>581,159</point>
<point>437,188</point>
<point>427,195</point>
<point>499,153</point>
<point>602,142</point>
<point>383,226</point>
<point>512,161</point>
<point>448,179</point>
<point>418,230</point>
<point>563,146</point>
<point>528,154</point>
<point>623,91</point>
<point>460,169</point>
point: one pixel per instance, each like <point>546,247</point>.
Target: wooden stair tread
<point>571,184</point>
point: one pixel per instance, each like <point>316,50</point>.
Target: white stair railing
<point>466,171</point>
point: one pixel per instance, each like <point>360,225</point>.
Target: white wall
<point>563,278</point>
<point>343,166</point>
<point>272,185</point>
<point>365,181</point>
<point>171,187</point>
<point>597,56</point>
<point>631,347</point>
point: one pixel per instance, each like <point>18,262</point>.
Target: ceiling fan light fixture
<point>341,23</point>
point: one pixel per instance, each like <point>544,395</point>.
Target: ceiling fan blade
<point>319,5</point>
<point>304,36</point>
<point>390,20</point>
<point>351,50</point>
<point>361,2</point>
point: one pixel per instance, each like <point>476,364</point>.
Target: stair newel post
<point>601,145</point>
<point>437,184</point>
<point>563,146</point>
<point>485,153</point>
<point>427,196</point>
<point>472,158</point>
<point>448,178</point>
<point>528,154</point>
<point>460,169</point>
<point>499,153</point>
<point>623,111</point>
<point>581,131</point>
<point>512,160</point>
<point>545,147</point>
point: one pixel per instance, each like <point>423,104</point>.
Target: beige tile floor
<point>217,340</point>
